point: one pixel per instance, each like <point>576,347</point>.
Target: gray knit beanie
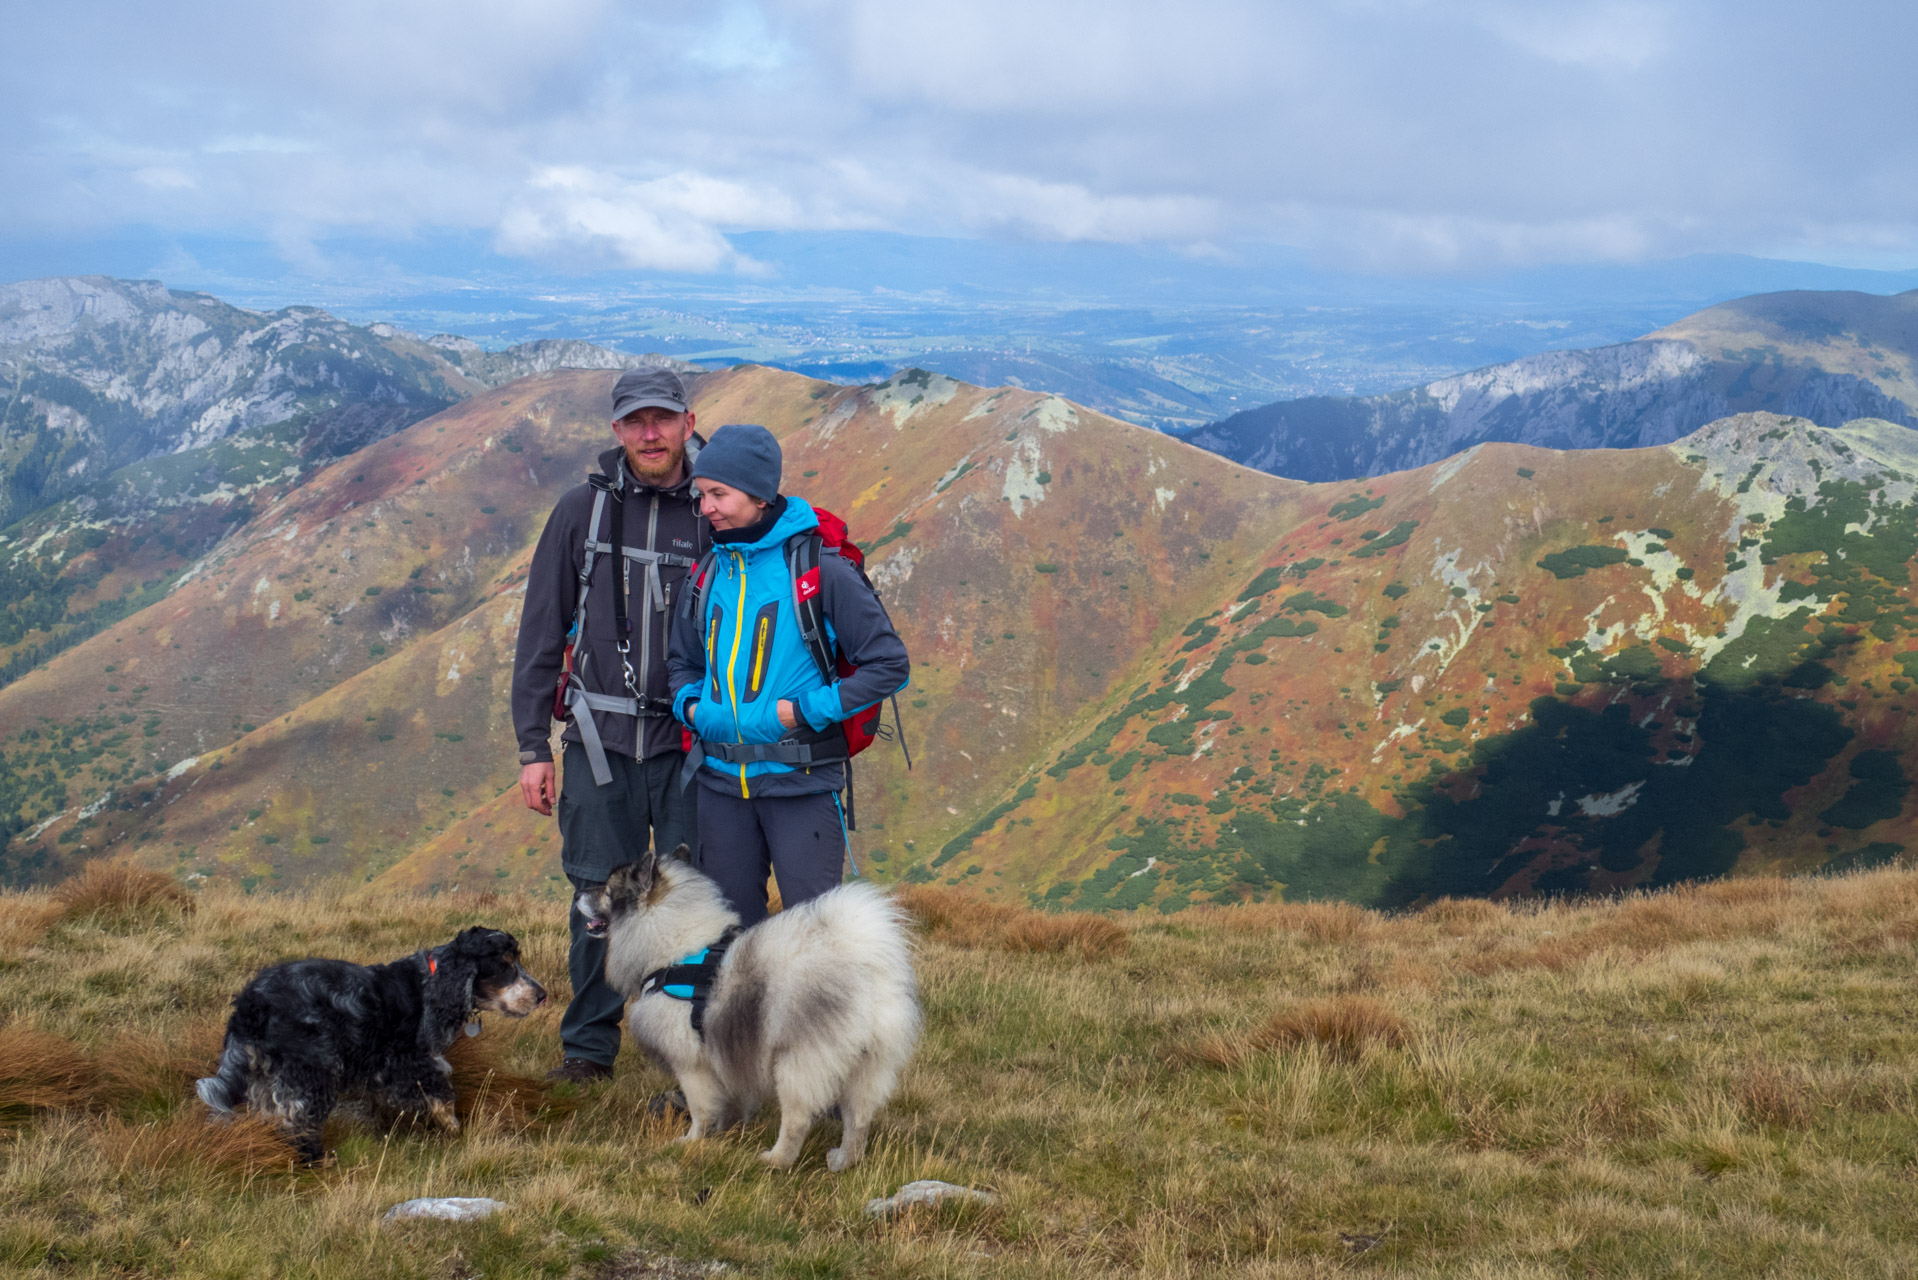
<point>743,455</point>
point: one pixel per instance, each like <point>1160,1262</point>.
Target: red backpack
<point>802,562</point>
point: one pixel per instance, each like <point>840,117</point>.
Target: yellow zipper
<point>759,656</point>
<point>712,654</point>
<point>732,662</point>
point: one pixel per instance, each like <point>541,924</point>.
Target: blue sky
<point>1401,137</point>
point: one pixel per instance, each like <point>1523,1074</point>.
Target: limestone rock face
<point>97,374</point>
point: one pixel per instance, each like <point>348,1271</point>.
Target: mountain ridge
<point>128,403</point>
<point>99,373</point>
<point>1827,357</point>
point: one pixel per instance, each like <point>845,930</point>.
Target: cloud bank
<point>1385,134</point>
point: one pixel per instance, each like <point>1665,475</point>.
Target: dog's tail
<point>224,1089</point>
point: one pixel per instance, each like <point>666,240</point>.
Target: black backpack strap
<point>622,624</point>
<point>575,697</point>
<point>899,727</point>
<point>600,486</point>
<point>802,557</point>
<point>703,574</point>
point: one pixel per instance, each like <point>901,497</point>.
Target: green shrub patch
<point>1573,562</point>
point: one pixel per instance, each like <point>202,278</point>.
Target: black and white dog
<point>306,1033</point>
<point>816,1007</point>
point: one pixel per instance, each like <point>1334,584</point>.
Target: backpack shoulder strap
<point>802,561</point>
<point>703,573</point>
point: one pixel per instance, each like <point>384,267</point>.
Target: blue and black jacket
<point>734,665</point>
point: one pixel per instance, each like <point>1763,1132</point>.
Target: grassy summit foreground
<point>1715,1080</point>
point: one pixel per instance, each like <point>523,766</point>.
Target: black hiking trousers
<point>601,828</point>
<point>801,839</point>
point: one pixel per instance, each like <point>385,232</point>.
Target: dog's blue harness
<point>692,978</point>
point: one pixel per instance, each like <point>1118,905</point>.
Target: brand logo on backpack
<point>808,585</point>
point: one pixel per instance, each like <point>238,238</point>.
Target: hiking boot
<point>579,1071</point>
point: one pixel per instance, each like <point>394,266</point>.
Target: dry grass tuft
<point>239,1147</point>
<point>24,920</point>
<point>1091,936</point>
<point>144,1064</point>
<point>1747,890</point>
<point>483,1085</point>
<point>960,919</point>
<point>116,891</point>
<point>1344,1025</point>
<point>41,1072</point>
<point>1220,1052</point>
<point>1319,921</point>
<point>1770,1096</point>
<point>1463,915</point>
<point>1616,1113</point>
<point>963,920</point>
<point>1642,924</point>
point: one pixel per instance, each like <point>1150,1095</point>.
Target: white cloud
<point>671,223</point>
<point>1068,211</point>
<point>574,215</point>
<point>1446,134</point>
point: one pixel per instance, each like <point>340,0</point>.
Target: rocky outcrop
<point>496,368</point>
<point>97,373</point>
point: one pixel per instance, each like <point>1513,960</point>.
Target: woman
<point>771,755</point>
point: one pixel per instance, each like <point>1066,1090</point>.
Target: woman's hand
<point>788,714</point>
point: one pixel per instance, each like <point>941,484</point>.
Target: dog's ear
<point>474,941</point>
<point>683,853</point>
<point>634,880</point>
<point>451,973</point>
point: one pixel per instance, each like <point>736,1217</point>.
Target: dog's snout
<point>539,992</point>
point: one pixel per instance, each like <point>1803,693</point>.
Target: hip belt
<point>801,749</point>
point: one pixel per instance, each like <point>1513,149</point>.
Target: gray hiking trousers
<point>601,828</point>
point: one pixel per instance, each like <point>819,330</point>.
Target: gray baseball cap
<point>648,389</point>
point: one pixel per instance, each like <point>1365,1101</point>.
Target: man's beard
<point>659,475</point>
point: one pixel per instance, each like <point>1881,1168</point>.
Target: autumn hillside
<point>1143,676</point>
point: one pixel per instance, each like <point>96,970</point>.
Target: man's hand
<point>536,786</point>
<point>788,714</point>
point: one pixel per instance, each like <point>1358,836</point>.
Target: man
<point>608,570</point>
<point>772,755</point>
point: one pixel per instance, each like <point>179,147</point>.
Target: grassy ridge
<point>1706,1081</point>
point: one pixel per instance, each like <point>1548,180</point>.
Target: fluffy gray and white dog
<point>815,1006</point>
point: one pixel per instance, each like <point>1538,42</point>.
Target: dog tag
<point>473,1028</point>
